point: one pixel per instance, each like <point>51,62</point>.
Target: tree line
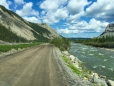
<point>104,41</point>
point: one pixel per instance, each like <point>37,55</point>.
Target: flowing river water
<point>98,60</point>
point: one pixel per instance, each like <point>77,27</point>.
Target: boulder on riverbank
<point>111,83</point>
<point>66,53</point>
<point>74,60</point>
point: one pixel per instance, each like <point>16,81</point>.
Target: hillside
<point>13,28</point>
<point>109,31</point>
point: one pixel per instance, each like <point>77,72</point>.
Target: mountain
<point>13,28</point>
<point>109,31</point>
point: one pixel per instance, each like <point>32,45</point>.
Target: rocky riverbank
<point>112,50</point>
<point>81,77</point>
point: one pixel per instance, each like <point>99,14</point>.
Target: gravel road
<point>36,66</point>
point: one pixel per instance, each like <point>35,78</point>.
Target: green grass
<point>70,64</point>
<point>82,73</point>
<point>5,48</point>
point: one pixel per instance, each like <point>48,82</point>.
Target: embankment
<point>77,74</point>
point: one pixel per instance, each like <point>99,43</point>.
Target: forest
<point>104,41</point>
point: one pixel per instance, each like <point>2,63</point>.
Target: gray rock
<point>111,83</point>
<point>109,31</point>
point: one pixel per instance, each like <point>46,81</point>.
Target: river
<point>98,60</point>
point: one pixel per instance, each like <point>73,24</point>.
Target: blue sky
<point>70,18</point>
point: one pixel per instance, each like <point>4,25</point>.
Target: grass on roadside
<point>5,48</point>
<point>70,64</point>
<point>82,73</point>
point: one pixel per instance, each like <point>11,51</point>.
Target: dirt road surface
<point>35,66</point>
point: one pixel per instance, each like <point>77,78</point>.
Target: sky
<point>70,18</point>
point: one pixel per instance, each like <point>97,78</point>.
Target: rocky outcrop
<point>2,42</point>
<point>72,58</point>
<point>109,31</point>
<point>23,28</point>
<point>111,83</point>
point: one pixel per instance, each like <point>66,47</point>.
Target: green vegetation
<point>106,42</point>
<point>102,45</point>
<point>5,10</point>
<point>103,39</point>
<point>39,37</point>
<point>60,42</point>
<point>39,32</point>
<point>9,36</point>
<point>5,48</point>
<point>39,29</point>
<point>81,72</point>
<point>69,64</point>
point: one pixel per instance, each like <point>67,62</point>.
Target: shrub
<point>61,43</point>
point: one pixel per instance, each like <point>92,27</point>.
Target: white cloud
<point>66,31</point>
<point>19,2</point>
<point>61,14</point>
<point>43,12</point>
<point>54,17</point>
<point>96,25</point>
<point>34,12</point>
<point>27,10</point>
<point>60,10</point>
<point>75,18</point>
<point>102,10</point>
<point>47,21</point>
<point>92,26</point>
<point>5,3</point>
<point>51,5</point>
<point>28,13</point>
<point>50,18</point>
<point>83,27</point>
<point>76,6</point>
<point>32,19</point>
